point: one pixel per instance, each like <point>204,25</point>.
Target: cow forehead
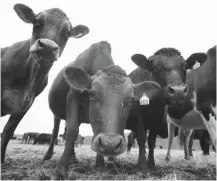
<point>167,61</point>
<point>115,83</point>
<point>53,14</point>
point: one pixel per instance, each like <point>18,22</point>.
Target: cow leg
<point>186,143</point>
<point>151,144</point>
<point>72,112</point>
<point>74,159</point>
<point>191,143</point>
<point>171,129</point>
<point>100,162</point>
<point>8,132</point>
<point>204,145</point>
<point>141,139</point>
<point>49,153</point>
<point>210,126</point>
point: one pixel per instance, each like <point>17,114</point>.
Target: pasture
<point>23,162</point>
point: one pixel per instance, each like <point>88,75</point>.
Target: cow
<point>93,90</point>
<point>167,68</point>
<point>25,138</point>
<point>43,138</point>
<point>202,90</point>
<point>79,141</point>
<point>203,137</point>
<point>25,65</point>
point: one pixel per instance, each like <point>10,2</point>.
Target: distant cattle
<point>29,137</point>
<point>25,65</point>
<point>79,141</point>
<point>82,94</point>
<point>43,138</point>
<point>202,91</point>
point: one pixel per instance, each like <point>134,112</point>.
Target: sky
<point>130,26</point>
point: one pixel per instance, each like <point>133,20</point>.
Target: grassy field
<point>23,162</point>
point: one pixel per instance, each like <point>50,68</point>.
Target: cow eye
<point>67,33</point>
<point>157,68</point>
<point>185,66</point>
<point>35,22</point>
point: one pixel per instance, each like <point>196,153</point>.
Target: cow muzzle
<point>46,50</point>
<point>109,145</point>
<point>177,93</point>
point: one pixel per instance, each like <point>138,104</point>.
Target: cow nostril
<point>119,144</point>
<point>40,44</point>
<point>171,90</point>
<point>100,143</point>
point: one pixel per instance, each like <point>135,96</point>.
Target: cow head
<point>51,31</point>
<point>168,68</point>
<point>111,94</point>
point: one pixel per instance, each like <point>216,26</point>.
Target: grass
<point>23,162</point>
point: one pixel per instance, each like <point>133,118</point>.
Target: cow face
<point>111,94</point>
<point>51,30</point>
<point>168,68</point>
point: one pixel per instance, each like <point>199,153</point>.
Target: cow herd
<point>164,95</point>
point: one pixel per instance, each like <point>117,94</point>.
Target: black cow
<point>43,138</point>
<point>81,94</point>
<point>166,67</point>
<point>25,65</point>
<point>203,137</point>
<point>202,91</point>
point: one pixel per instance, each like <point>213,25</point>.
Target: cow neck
<point>41,72</point>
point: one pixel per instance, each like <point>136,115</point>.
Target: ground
<point>23,162</point>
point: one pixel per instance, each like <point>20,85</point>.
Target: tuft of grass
<point>24,162</point>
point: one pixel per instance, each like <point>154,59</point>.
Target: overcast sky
<point>130,26</point>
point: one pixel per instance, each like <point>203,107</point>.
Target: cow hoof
<point>151,165</point>
<point>55,177</point>
<point>167,158</point>
<point>188,158</point>
<point>141,168</point>
<point>47,157</point>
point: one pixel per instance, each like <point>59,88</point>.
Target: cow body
<point>101,98</point>
<point>43,138</point>
<point>25,65</point>
<point>167,68</point>
<point>202,90</point>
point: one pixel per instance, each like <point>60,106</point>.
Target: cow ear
<point>150,88</point>
<point>24,12</point>
<point>141,61</point>
<point>79,31</point>
<point>77,78</point>
<point>191,60</point>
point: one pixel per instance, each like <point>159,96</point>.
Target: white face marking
<point>122,104</point>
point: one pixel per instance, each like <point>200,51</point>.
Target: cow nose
<point>109,145</point>
<point>49,44</point>
<point>177,90</point>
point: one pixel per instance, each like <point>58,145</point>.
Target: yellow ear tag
<point>144,100</point>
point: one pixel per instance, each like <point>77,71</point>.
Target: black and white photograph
<point>108,89</point>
